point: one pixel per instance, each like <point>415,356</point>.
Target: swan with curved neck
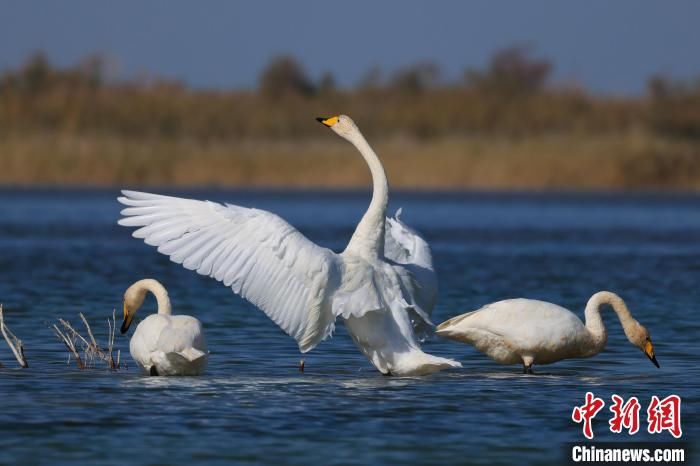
<point>381,286</point>
<point>536,332</point>
<point>163,344</point>
<point>136,293</point>
<point>369,233</point>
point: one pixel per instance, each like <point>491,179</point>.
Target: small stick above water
<point>90,348</point>
<point>89,331</point>
<point>13,342</point>
<point>70,344</point>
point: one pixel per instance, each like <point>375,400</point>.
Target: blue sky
<point>608,46</point>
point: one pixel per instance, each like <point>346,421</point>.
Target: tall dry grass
<point>564,161</point>
<point>501,128</point>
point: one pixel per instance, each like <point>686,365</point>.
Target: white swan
<point>380,286</point>
<point>536,332</point>
<point>163,344</point>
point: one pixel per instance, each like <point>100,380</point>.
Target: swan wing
<point>256,253</point>
<point>525,322</point>
<point>180,334</point>
<point>404,245</point>
<point>414,259</point>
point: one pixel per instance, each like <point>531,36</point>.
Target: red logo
<point>661,415</point>
<point>587,412</point>
<point>625,415</point>
<point>665,415</point>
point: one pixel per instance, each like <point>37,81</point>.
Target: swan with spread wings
<point>382,286</point>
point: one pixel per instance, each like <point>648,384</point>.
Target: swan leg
<point>301,365</point>
<point>527,364</point>
<point>153,370</point>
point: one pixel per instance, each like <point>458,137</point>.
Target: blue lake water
<point>62,253</point>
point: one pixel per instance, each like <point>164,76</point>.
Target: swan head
<point>639,336</point>
<point>342,125</point>
<point>133,299</point>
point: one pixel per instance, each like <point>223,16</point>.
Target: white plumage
<point>531,332</point>
<point>381,285</point>
<point>163,344</point>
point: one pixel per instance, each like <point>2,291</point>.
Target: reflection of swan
<point>537,332</point>
<point>381,285</point>
<point>163,344</point>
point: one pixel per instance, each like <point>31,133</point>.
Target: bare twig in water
<point>91,349</point>
<point>74,333</point>
<point>13,342</point>
<point>69,342</point>
<point>110,338</point>
<point>89,331</point>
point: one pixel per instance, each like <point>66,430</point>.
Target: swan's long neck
<point>369,234</point>
<point>594,322</point>
<point>158,291</point>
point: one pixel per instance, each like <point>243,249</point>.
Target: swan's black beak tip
<point>321,119</point>
<point>656,363</point>
<point>649,352</point>
<point>126,323</point>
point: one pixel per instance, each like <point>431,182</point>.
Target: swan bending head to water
<point>163,344</point>
<point>531,332</point>
<point>382,286</point>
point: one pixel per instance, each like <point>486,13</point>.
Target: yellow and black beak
<point>649,351</point>
<point>328,121</point>
<point>128,316</point>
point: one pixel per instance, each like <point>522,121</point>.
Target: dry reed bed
<point>633,159</point>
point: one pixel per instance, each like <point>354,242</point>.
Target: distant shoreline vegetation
<point>503,127</point>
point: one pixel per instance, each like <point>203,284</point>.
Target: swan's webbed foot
<point>528,361</point>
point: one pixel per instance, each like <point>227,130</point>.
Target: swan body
<point>163,344</point>
<point>382,286</point>
<point>531,332</point>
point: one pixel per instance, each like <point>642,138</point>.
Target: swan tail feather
<point>420,363</point>
<point>447,325</point>
<point>191,354</point>
<point>186,362</point>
